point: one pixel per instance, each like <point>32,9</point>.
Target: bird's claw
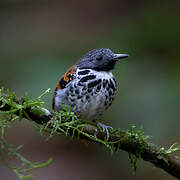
<point>104,128</point>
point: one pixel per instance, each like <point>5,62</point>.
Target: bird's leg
<point>104,128</point>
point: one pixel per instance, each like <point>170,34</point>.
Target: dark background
<point>40,39</point>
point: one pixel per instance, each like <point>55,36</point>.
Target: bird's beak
<point>120,56</point>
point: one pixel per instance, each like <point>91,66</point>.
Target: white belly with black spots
<point>89,94</point>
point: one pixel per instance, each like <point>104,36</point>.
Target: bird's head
<point>100,60</point>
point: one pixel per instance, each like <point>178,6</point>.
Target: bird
<point>88,88</point>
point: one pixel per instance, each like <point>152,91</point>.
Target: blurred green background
<point>40,39</point>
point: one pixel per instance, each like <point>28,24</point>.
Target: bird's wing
<point>68,77</point>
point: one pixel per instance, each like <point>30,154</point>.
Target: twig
<point>120,140</point>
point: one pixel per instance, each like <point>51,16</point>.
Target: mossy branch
<point>65,122</point>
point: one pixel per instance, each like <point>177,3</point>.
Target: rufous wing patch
<point>68,76</point>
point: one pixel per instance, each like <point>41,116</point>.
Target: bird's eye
<point>99,58</point>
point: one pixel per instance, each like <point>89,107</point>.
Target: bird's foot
<point>105,128</point>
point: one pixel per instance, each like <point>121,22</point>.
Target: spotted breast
<point>88,92</point>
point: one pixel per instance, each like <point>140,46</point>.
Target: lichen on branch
<point>65,122</point>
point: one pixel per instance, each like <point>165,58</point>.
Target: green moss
<point>67,123</point>
<point>7,117</point>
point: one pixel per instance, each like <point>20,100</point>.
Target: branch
<point>133,142</point>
